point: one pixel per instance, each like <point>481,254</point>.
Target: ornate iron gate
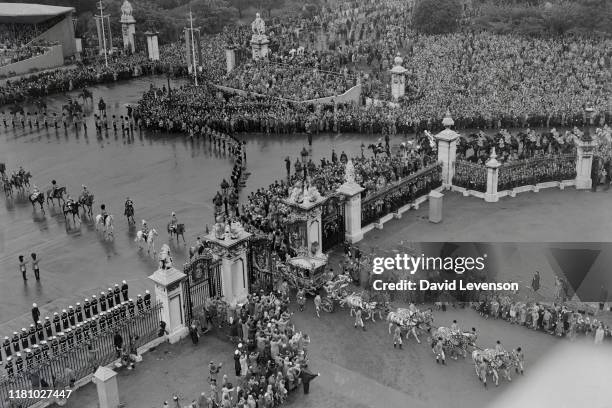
<point>332,222</point>
<point>203,282</point>
<point>262,264</point>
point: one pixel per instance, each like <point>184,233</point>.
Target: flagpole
<point>195,65</point>
<point>103,35</point>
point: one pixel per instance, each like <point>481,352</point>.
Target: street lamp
<point>586,136</point>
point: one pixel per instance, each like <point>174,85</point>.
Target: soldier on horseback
<point>129,209</point>
<point>103,213</point>
<point>173,223</point>
<point>145,230</point>
<point>54,188</point>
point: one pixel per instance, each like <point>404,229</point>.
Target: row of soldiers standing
<point>54,337</point>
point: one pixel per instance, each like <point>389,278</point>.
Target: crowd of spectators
<point>269,362</point>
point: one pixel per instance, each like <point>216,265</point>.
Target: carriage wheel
<point>327,305</point>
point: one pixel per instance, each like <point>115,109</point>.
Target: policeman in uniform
<point>39,331</point>
<point>47,326</point>
<point>37,350</point>
<point>56,322</point>
<point>8,367</point>
<point>29,357</point>
<point>94,305</point>
<point>35,313</point>
<point>117,293</point>
<point>24,338</point>
<point>131,306</point>
<point>62,342</point>
<point>78,333</point>
<point>102,302</point>
<point>139,303</point>
<point>85,327</point>
<point>87,309</point>
<point>54,346</point>
<point>32,334</point>
<point>44,349</point>
<point>79,313</point>
<point>123,310</point>
<point>6,345</point>
<point>15,342</point>
<point>64,317</point>
<point>147,299</point>
<point>93,325</point>
<point>70,338</point>
<point>102,321</point>
<point>71,318</point>
<point>117,314</point>
<point>19,363</point>
<point>124,291</point>
<point>110,298</point>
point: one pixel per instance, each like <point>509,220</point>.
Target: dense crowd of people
<point>270,359</point>
<point>8,56</point>
<point>552,318</point>
<point>290,81</point>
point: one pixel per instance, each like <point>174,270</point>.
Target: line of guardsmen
<point>56,336</point>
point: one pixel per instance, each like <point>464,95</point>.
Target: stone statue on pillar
<point>398,78</point>
<point>259,39</point>
<point>128,26</point>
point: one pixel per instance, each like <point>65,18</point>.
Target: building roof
<point>21,13</point>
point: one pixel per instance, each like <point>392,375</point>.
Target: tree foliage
<point>436,16</point>
<point>581,17</point>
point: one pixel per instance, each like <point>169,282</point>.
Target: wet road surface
<point>161,173</point>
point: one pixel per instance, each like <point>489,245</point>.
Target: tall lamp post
<point>103,35</point>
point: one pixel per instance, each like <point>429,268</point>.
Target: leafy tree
<point>240,5</point>
<point>436,16</point>
<point>270,5</point>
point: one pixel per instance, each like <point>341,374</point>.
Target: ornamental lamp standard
<point>588,112</point>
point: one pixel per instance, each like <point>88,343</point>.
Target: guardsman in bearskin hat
<point>123,310</point>
<point>71,317</point>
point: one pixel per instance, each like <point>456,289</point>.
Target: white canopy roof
<point>21,13</point>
